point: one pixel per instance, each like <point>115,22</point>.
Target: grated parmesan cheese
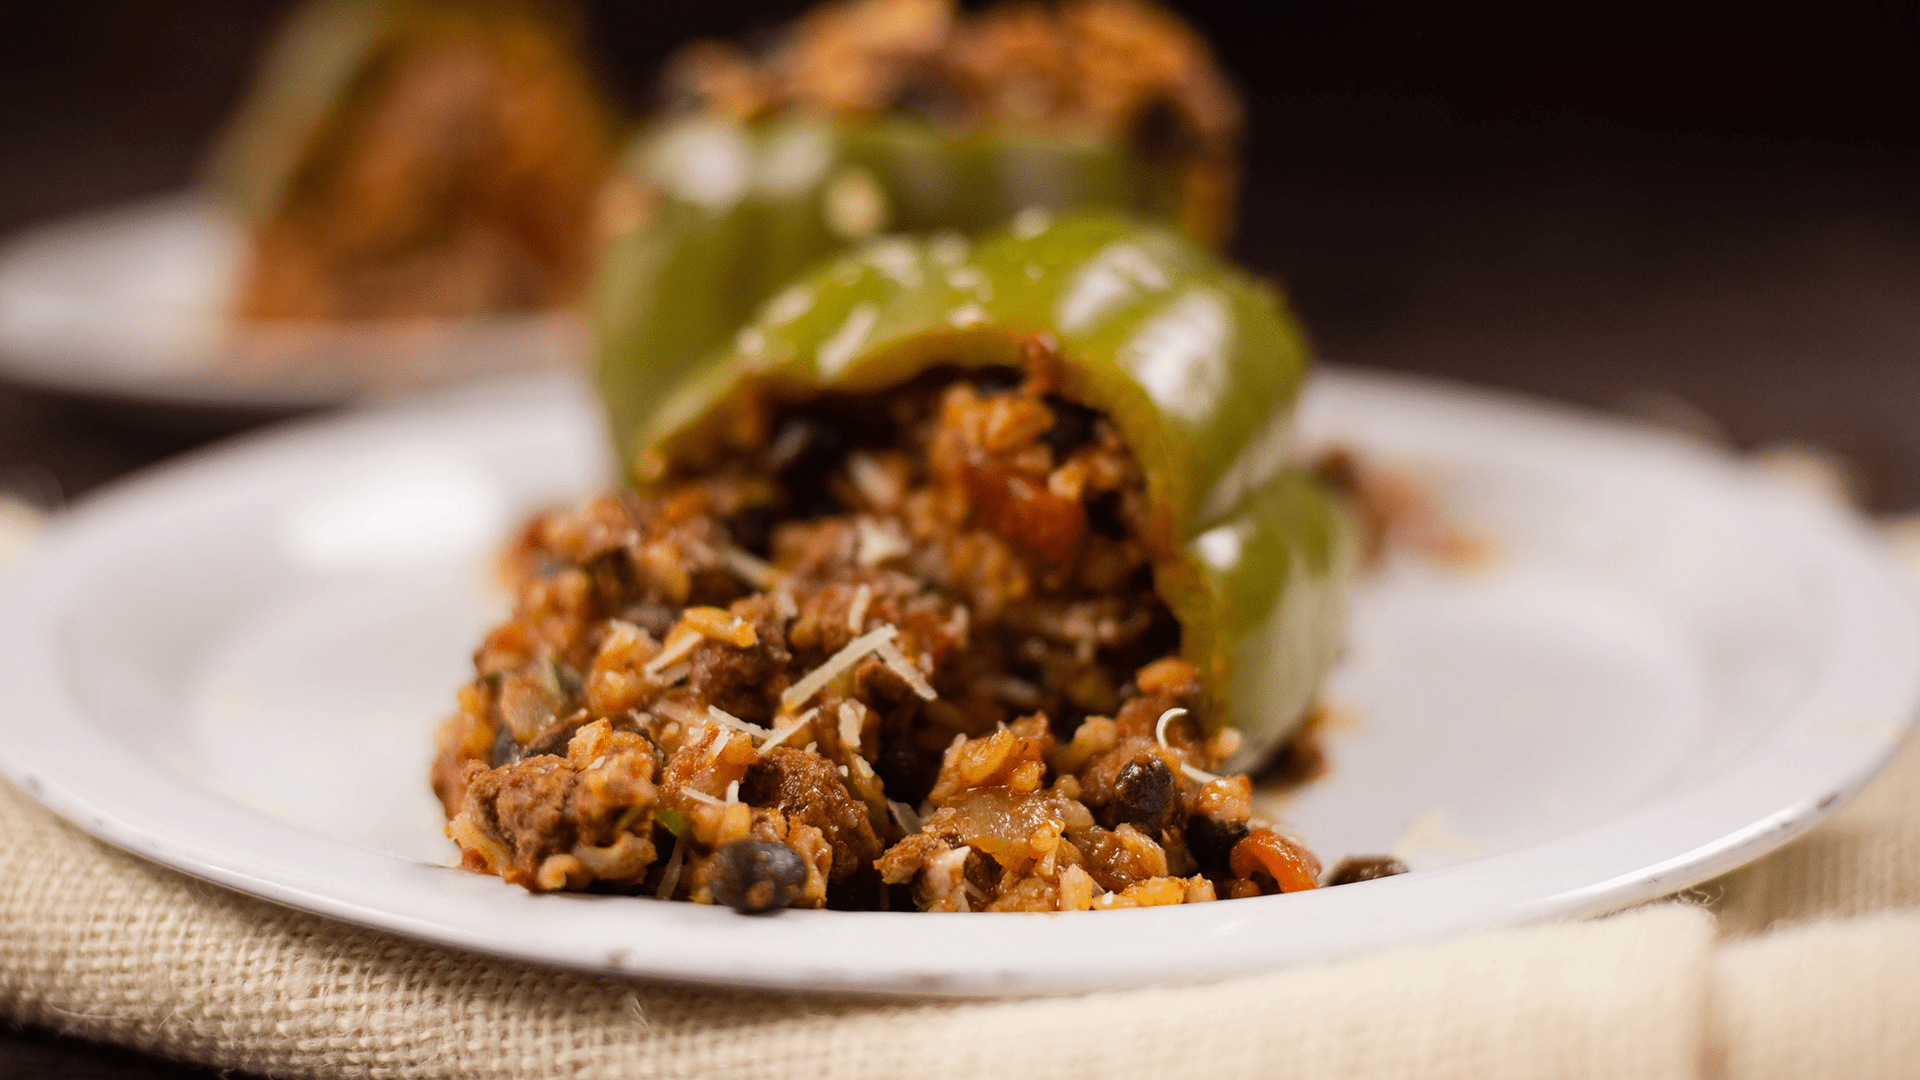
<point>780,734</point>
<point>814,681</point>
<point>701,796</point>
<point>681,640</point>
<point>879,541</point>
<point>729,720</point>
<point>873,480</point>
<point>1194,773</point>
<point>904,816</point>
<point>857,611</point>
<point>670,880</point>
<point>1198,775</point>
<point>1160,725</point>
<point>897,661</point>
<point>682,715</point>
<point>749,568</point>
<point>851,714</point>
<point>733,791</point>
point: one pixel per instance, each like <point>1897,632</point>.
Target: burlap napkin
<point>1800,965</point>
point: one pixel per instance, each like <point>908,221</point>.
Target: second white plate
<point>133,303</point>
<point>1670,666</point>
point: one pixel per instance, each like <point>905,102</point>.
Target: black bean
<point>751,527</point>
<point>803,453</point>
<point>1145,794</point>
<point>1211,841</point>
<point>1072,426</point>
<point>506,749</point>
<point>805,445</point>
<point>553,738</point>
<point>907,769</point>
<point>1355,868</point>
<point>1103,516</point>
<point>752,876</point>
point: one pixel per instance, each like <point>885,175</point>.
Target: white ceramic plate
<point>234,666</point>
<point>131,302</point>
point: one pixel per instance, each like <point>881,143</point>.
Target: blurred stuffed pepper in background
<point>417,159</point>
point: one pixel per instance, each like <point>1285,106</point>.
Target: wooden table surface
<point>1756,271</point>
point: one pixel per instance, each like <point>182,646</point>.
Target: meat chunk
<point>548,822</point>
<point>808,788</point>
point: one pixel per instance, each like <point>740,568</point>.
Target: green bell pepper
<point>723,214</point>
<point>325,58</point>
<point>1196,364</point>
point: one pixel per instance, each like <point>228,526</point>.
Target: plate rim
<point>805,958</point>
<point>204,387</point>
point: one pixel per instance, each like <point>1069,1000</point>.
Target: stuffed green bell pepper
<point>947,585</point>
<point>894,116</point>
<point>416,158</point>
<point>1192,364</point>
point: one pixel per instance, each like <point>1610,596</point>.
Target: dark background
<point>1706,210</point>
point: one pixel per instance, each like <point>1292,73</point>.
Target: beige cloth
<point>1801,965</point>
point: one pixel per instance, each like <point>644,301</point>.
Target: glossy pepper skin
<point>709,217</point>
<point>1195,363</point>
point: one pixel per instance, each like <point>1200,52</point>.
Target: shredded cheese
<point>891,655</point>
<point>673,675</point>
<point>680,641</point>
<point>670,880</point>
<point>857,611</point>
<point>686,717</point>
<point>701,796</point>
<point>814,681</point>
<point>1160,725</point>
<point>727,719</point>
<point>1194,773</point>
<point>733,791</point>
<point>780,734</point>
<point>873,480</point>
<point>754,571</point>
<point>1013,691</point>
<point>851,715</point>
<point>903,814</point>
<point>879,541</point>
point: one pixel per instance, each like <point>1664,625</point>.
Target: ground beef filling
<point>896,650</point>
